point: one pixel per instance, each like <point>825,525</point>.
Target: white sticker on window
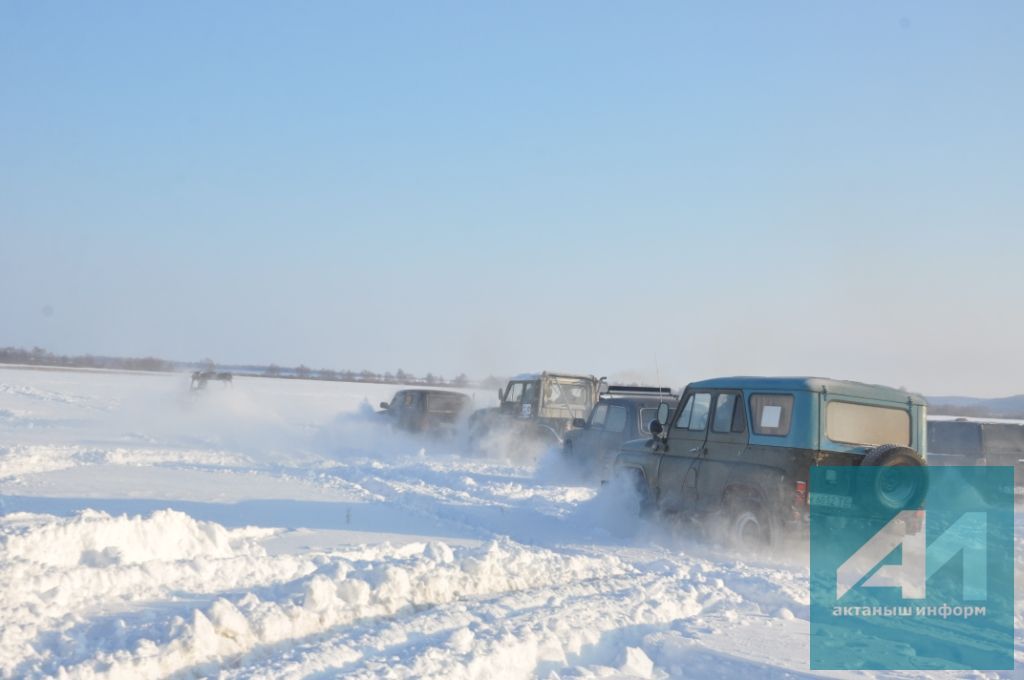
<point>770,416</point>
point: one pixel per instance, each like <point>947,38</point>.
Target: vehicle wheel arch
<point>741,492</point>
<point>637,475</point>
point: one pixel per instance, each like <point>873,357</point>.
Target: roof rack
<point>639,389</point>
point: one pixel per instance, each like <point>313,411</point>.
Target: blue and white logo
<point>925,587</point>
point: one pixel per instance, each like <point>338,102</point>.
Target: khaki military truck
<point>534,412</point>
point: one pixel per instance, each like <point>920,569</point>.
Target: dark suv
<point>436,412</point>
<point>978,441</point>
<point>622,413</point>
<point>740,450</point>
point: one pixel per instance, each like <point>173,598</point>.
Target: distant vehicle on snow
<point>622,413</point>
<point>200,378</point>
<point>436,412</point>
<point>978,441</point>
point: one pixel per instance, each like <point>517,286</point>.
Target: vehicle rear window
<point>961,438</point>
<point>772,414</point>
<point>1003,438</point>
<point>567,394</point>
<point>863,424</point>
<point>445,403</point>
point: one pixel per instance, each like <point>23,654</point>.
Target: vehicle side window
<point>515,392</point>
<point>646,416</point>
<point>725,404</point>
<point>694,416</point>
<point>772,414</point>
<point>683,421</point>
<point>616,420</point>
<point>739,418</point>
<point>728,414</point>
<point>597,416</point>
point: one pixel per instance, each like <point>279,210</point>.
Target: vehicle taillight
<point>800,492</point>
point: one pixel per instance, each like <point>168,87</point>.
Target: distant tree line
<point>38,356</point>
<point>397,377</point>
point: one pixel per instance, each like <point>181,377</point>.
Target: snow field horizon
<point>276,529</point>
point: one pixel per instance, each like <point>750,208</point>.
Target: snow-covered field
<point>275,529</point>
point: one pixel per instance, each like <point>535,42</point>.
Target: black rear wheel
<point>901,483</point>
<point>751,529</point>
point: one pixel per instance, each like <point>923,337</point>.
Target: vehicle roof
<point>811,384</point>
<point>550,374</point>
<point>430,391</point>
<point>640,398</point>
<point>975,420</point>
<point>637,389</point>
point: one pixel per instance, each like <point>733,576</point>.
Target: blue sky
<point>631,189</point>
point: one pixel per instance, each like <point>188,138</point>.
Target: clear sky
<point>631,189</point>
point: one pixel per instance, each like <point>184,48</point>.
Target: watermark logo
<point>967,535</point>
<point>913,570</point>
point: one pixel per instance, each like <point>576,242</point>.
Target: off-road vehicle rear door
<point>680,463</point>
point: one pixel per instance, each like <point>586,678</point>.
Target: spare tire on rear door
<point>901,483</point>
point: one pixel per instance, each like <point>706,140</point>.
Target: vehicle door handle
<point>695,449</point>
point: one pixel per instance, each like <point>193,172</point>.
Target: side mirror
<point>384,404</point>
<point>579,422</point>
<point>500,395</point>
<point>662,414</point>
<point>656,428</point>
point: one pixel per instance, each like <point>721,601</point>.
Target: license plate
<point>829,500</point>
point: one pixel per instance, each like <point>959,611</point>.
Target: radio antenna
<point>657,372</point>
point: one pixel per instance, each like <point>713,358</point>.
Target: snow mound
<point>372,582</point>
<point>60,574</point>
<point>96,539</point>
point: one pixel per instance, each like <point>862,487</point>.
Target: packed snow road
<point>276,529</point>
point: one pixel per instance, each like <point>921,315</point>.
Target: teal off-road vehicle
<point>737,452</point>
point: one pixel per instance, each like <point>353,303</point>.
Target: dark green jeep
<point>739,450</point>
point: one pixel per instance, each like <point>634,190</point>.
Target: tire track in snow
<point>370,584</point>
<point>517,634</point>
